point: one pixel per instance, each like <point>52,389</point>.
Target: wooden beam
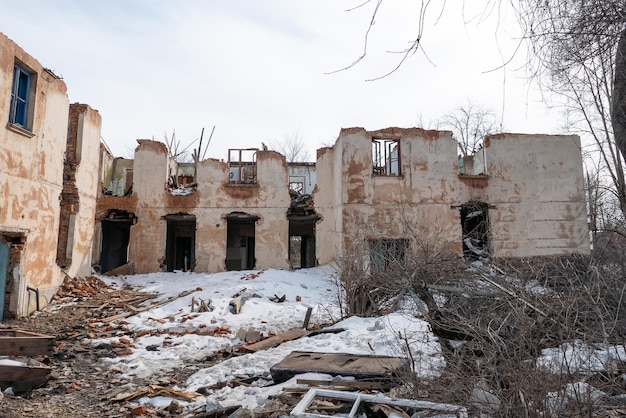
<point>276,340</point>
<point>31,371</point>
<point>23,343</point>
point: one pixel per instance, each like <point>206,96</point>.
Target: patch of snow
<point>396,334</point>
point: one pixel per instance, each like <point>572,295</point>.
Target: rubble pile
<point>301,204</point>
<point>81,287</point>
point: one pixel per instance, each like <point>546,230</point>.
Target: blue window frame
<point>18,114</point>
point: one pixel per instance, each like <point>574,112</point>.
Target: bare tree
<point>469,124</point>
<point>293,148</point>
<point>577,49</point>
<point>584,39</point>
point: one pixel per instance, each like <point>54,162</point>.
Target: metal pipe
<point>32,289</point>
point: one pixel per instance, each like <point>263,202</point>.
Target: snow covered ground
<point>173,335</point>
<point>315,288</point>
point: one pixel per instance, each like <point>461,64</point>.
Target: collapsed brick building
<point>68,204</point>
<point>520,196</point>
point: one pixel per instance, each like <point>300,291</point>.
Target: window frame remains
<point>387,253</point>
<point>242,165</point>
<point>22,88</point>
<point>386,157</point>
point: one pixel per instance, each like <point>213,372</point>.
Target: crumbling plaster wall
<point>536,189</point>
<point>212,200</point>
<point>533,186</point>
<point>31,173</point>
<point>365,206</point>
<point>87,182</point>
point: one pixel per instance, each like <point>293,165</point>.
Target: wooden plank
<point>307,318</point>
<point>146,308</point>
<point>34,370</point>
<point>23,343</point>
<point>276,340</point>
<point>358,398</point>
<point>348,384</point>
<point>360,366</point>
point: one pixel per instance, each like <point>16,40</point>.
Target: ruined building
<point>68,204</point>
<point>210,216</point>
<point>47,184</point>
<point>520,196</point>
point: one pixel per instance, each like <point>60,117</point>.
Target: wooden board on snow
<point>276,340</point>
<point>338,364</point>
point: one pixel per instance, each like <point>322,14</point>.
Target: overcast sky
<point>257,69</point>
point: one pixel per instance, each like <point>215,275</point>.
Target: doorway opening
<point>240,241</point>
<point>475,229</point>
<point>302,241</point>
<point>180,246</point>
<point>115,239</point>
<point>302,219</point>
<point>11,248</point>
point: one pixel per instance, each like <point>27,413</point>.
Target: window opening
<point>386,253</point>
<point>18,114</point>
<point>296,186</point>
<point>242,165</point>
<point>386,157</point>
<point>475,229</point>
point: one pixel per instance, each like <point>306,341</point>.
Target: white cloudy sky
<point>257,69</point>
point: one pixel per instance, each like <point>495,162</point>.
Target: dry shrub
<point>494,325</point>
<point>494,321</point>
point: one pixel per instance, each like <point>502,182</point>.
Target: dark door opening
<point>180,246</point>
<point>475,229</point>
<point>240,241</point>
<point>11,248</point>
<point>115,239</point>
<point>302,242</point>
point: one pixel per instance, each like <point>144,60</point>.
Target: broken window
<point>240,241</point>
<point>118,179</point>
<point>182,179</point>
<point>21,97</point>
<point>386,253</point>
<point>386,157</point>
<point>242,165</point>
<point>296,186</point>
<point>475,228</point>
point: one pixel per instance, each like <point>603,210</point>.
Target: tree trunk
<point>618,110</point>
